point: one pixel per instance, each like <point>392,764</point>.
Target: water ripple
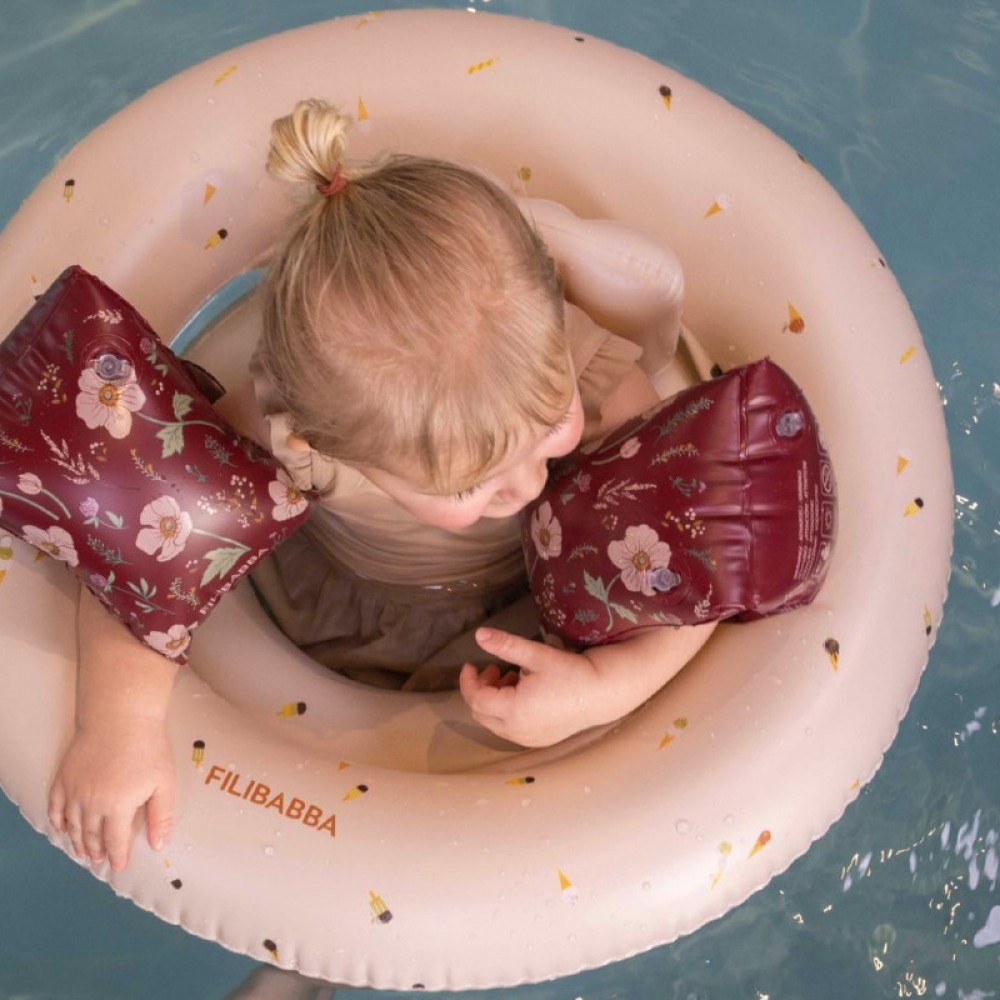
<point>67,32</point>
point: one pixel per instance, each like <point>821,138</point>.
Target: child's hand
<point>105,778</point>
<point>557,694</point>
<point>549,700</point>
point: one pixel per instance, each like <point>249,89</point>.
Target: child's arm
<point>118,763</point>
<point>118,760</point>
<point>239,407</point>
<point>558,693</point>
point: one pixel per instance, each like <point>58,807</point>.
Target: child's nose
<point>527,483</point>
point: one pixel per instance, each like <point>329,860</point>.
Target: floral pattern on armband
<point>289,501</point>
<point>108,404</point>
<point>546,532</point>
<point>133,470</point>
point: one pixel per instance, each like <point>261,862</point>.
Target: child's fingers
<point>471,679</point>
<point>515,649</point>
<point>93,841</point>
<point>160,816</point>
<point>118,839</point>
<point>74,829</point>
<point>469,682</point>
<point>488,701</point>
<point>57,807</point>
<point>86,833</point>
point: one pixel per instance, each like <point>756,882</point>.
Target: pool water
<point>897,103</point>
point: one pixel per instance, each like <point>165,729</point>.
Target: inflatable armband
<point>720,503</point>
<point>113,461</point>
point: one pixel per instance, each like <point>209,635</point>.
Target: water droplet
<point>268,851</point>
<point>683,827</point>
<point>729,820</point>
<point>647,886</point>
<point>105,220</point>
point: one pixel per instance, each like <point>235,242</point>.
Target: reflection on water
<point>946,948</point>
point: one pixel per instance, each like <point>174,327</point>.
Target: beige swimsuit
<point>368,590</point>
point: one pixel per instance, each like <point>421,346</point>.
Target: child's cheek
<point>446,513</point>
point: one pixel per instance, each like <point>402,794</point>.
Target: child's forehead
<point>466,470</point>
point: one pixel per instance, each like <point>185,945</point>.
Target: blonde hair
<point>414,320</point>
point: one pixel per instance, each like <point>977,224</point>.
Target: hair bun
<point>308,145</point>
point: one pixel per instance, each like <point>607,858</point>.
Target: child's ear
<point>296,443</point>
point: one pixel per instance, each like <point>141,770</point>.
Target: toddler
<point>418,369</point>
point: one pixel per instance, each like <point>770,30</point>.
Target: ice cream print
<point>335,828</point>
<point>117,465</point>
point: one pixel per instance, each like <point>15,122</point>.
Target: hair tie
<point>336,183</point>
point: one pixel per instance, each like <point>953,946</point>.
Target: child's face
<point>505,491</point>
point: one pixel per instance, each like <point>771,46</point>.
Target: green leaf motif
<point>143,590</point>
<point>625,613</point>
<point>182,405</point>
<point>596,587</point>
<point>172,437</point>
<point>221,562</point>
<point>115,520</point>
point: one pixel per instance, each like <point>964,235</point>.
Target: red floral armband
<point>113,461</point>
<point>720,503</point>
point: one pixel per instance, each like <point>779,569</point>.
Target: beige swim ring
<point>360,840</point>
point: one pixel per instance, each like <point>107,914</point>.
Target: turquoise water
<point>897,102</point>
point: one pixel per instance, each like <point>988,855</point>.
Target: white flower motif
<point>171,643</point>
<point>638,555</point>
<point>546,532</point>
<point>287,497</point>
<point>29,483</point>
<point>56,542</point>
<point>167,528</point>
<point>108,404</point>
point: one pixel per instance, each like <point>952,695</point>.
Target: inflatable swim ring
<point>349,839</point>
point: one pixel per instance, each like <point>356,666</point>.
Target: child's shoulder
<point>240,407</point>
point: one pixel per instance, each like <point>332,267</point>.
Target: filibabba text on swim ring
<point>260,794</point>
